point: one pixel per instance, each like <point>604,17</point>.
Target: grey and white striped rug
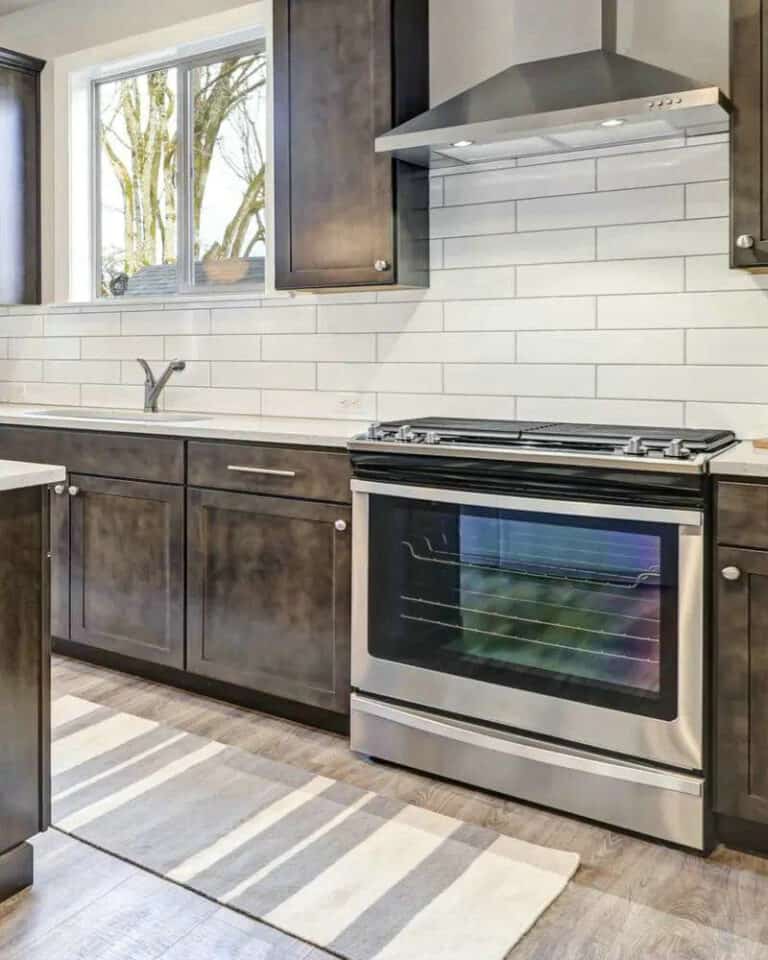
<point>364,876</point>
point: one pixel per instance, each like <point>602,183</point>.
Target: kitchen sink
<point>114,416</point>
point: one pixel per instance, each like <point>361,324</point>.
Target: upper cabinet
<point>346,71</point>
<point>749,173</point>
<point>19,178</point>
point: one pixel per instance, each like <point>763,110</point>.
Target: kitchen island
<point>24,666</point>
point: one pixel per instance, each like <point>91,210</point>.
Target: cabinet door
<point>19,178</point>
<point>742,683</point>
<point>59,537</point>
<point>346,71</point>
<point>268,595</point>
<point>127,576</point>
<point>749,136</point>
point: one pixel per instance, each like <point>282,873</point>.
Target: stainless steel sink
<point>114,416</point>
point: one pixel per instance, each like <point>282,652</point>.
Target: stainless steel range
<point>528,612</point>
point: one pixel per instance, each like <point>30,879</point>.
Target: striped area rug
<point>363,876</point>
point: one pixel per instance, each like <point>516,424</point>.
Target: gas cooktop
<point>520,439</point>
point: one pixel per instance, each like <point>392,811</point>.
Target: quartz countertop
<point>321,433</point>
<point>14,474</point>
<point>743,460</point>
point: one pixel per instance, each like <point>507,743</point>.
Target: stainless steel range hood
<point>574,102</point>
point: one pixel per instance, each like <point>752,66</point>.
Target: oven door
<point>577,621</point>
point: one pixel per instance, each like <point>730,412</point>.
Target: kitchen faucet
<point>152,387</point>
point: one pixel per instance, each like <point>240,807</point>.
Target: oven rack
<point>534,601</point>
<point>459,608</point>
<point>567,574</point>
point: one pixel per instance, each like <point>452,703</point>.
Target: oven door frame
<point>675,743</point>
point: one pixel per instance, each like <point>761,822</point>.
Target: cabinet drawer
<point>282,471</point>
<point>99,454</point>
<point>742,514</point>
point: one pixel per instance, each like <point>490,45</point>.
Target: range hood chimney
<point>575,102</point>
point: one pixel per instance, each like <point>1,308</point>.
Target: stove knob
<point>431,437</point>
<point>677,450</point>
<point>635,447</point>
<point>405,434</point>
<point>375,432</point>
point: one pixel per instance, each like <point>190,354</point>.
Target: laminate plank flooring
<point>630,898</point>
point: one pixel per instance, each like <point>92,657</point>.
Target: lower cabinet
<point>268,595</point>
<point>742,683</point>
<point>127,568</point>
<point>58,513</point>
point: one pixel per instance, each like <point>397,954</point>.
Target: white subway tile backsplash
<point>81,371</point>
<point>121,348</point>
<point>321,346</point>
<point>521,380</point>
<point>520,319</point>
<point>684,165</point>
<point>545,180</point>
<point>675,239</point>
<point>714,273</point>
<point>727,347</point>
<point>380,377</point>
<point>473,220</point>
<point>602,346</point>
<point>167,322</point>
<point>40,348</point>
<point>235,347</point>
<point>311,403</point>
<point>82,325</point>
<point>708,199</point>
<point>398,406</point>
<point>379,317</point>
<point>599,209</point>
<point>742,384</point>
<point>735,309</point>
<point>213,400</point>
<point>447,347</point>
<point>601,277</point>
<point>15,325</point>
<point>289,376</point>
<point>547,313</point>
<point>648,412</point>
<point>512,248</point>
<point>267,319</point>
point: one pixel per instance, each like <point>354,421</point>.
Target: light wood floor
<point>630,898</point>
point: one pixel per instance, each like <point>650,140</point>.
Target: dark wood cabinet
<point>742,684</point>
<point>19,178</point>
<point>346,71</point>
<point>127,568</point>
<point>268,587</point>
<point>749,137</point>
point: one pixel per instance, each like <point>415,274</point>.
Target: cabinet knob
<point>381,265</point>
<point>73,491</point>
<point>59,489</point>
<point>745,242</point>
<point>341,525</point>
<point>731,573</point>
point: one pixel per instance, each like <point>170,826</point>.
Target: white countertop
<point>14,474</point>
<point>743,460</point>
<point>322,433</point>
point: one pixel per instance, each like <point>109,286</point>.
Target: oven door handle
<point>571,508</point>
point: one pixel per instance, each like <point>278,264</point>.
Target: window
<point>180,176</point>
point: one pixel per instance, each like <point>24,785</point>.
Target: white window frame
<point>185,266</point>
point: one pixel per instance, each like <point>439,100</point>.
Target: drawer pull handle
<point>731,573</point>
<point>264,471</point>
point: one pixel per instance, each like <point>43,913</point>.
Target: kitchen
<point>354,565</point>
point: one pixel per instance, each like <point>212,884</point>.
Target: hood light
<point>463,143</point>
<point>616,122</point>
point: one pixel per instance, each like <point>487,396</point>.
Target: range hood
<point>580,101</point>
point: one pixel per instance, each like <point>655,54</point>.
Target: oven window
<point>579,608</point>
